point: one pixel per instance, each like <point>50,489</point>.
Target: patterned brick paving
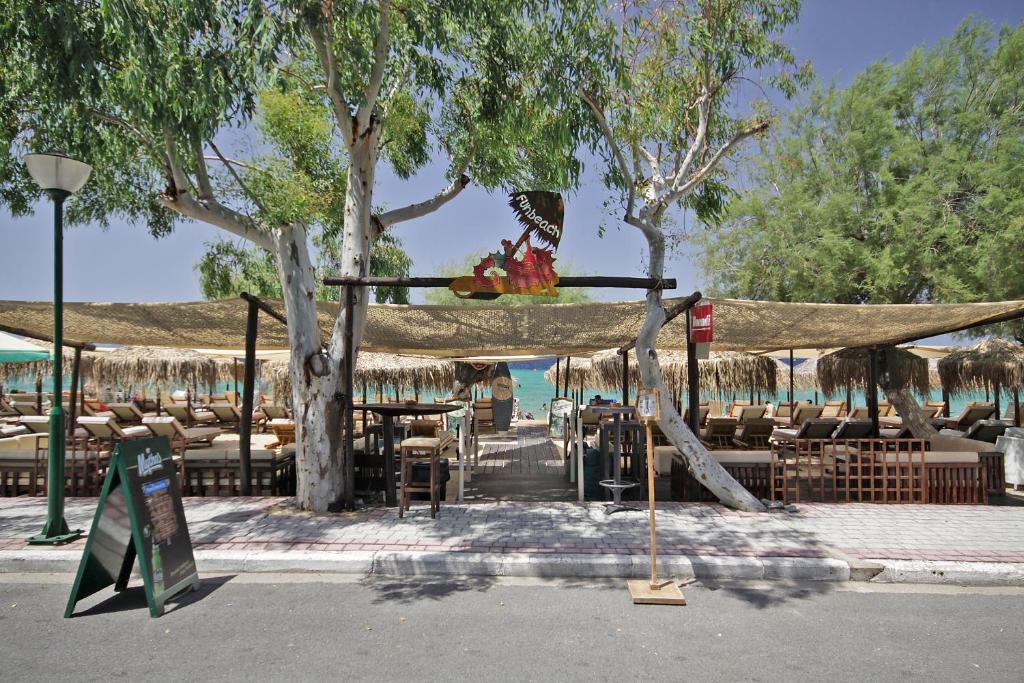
<point>962,533</point>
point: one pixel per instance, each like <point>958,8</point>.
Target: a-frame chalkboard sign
<point>139,515</point>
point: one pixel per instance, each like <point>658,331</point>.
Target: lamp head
<point>57,172</point>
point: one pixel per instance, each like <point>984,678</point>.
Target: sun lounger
<point>180,437</point>
<point>834,409</point>
<point>749,413</point>
<point>811,428</point>
<point>274,412</point>
<point>126,413</point>
<point>982,430</point>
<point>226,413</point>
<point>971,413</point>
<point>702,415</point>
<point>755,433</point>
<point>720,432</point>
<point>25,408</point>
<point>804,412</point>
<point>107,429</point>
<point>186,414</point>
<point>853,428</point>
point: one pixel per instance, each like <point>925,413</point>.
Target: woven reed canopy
<point>849,367</point>
<point>805,375</point>
<point>991,363</point>
<point>555,329</point>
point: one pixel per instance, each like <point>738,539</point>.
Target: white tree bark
<point>702,464</point>
<point>908,409</point>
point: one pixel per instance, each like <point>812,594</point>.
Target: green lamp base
<point>55,534</point>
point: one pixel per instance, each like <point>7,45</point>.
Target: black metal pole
<point>792,395</point>
<point>248,394</point>
<point>568,361</point>
<point>1016,408</point>
<point>558,375</point>
<point>872,389</point>
<point>995,395</point>
<point>692,381</point>
<point>349,455</point>
<point>625,377</point>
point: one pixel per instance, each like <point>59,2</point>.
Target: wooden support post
<point>348,456</point>
<point>581,447</point>
<point>792,395</point>
<point>1016,408</point>
<point>945,400</point>
<point>248,392</point>
<point>234,376</point>
<point>76,377</point>
<point>995,395</point>
<point>568,361</point>
<point>872,389</point>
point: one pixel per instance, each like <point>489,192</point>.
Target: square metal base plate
<point>667,594</point>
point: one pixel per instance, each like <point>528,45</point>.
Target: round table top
<point>407,408</point>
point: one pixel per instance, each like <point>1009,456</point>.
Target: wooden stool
<point>420,450</point>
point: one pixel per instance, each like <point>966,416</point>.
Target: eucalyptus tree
<point>152,93</point>
<point>666,114</point>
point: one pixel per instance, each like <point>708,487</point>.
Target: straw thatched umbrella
<point>899,373</point>
<point>903,370</point>
<point>376,370</point>
<point>31,369</point>
<point>722,374</point>
<point>994,364</point>
<point>149,365</point>
<point>580,375</point>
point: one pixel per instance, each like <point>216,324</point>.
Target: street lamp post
<point>59,176</point>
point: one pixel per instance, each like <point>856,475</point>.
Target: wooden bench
<point>752,469</point>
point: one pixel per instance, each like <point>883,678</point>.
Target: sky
<point>123,263</point>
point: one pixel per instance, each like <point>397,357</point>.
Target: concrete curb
<point>953,573</point>
<point>426,563</point>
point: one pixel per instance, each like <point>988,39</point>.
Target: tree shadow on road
<point>415,588</point>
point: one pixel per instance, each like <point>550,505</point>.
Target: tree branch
<point>380,58</point>
<point>216,214</point>
<point>238,179</point>
<point>698,176</point>
<point>178,177</point>
<point>321,35</point>
<point>202,175</point>
<point>703,109</point>
<point>620,158</point>
<point>389,218</point>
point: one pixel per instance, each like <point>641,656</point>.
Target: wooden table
<point>388,412</point>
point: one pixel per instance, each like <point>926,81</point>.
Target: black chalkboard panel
<point>139,515</point>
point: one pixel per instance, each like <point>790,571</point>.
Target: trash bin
<point>592,475</point>
<point>421,475</point>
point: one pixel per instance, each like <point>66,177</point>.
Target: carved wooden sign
<point>505,271</point>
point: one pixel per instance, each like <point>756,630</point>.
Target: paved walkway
<point>894,532</point>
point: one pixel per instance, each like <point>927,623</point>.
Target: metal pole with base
<point>653,591</point>
<point>56,530</point>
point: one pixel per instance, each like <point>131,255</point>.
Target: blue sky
<point>123,263</point>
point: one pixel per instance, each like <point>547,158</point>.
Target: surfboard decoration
<point>542,215</point>
<point>502,394</point>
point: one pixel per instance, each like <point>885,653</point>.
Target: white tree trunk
<point>319,423</point>
<point>908,409</point>
<point>317,439</point>
<point>702,464</point>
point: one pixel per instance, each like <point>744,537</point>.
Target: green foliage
<point>904,187</point>
<point>664,56</point>
<point>227,269</point>
<point>104,82</point>
<point>572,295</point>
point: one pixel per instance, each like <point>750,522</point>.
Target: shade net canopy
<point>494,331</point>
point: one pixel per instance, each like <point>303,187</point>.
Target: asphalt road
<point>259,628</point>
